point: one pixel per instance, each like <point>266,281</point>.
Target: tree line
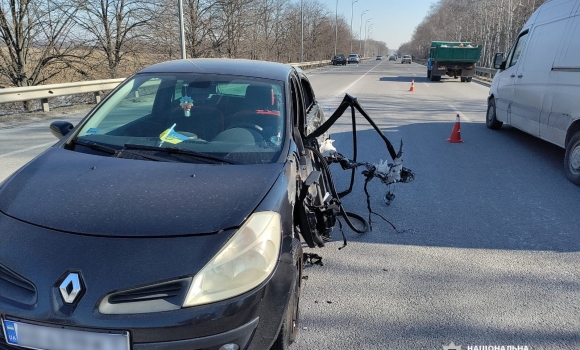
<point>48,41</point>
<point>494,24</point>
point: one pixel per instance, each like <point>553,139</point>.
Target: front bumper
<point>240,336</point>
<point>107,264</point>
<point>252,321</point>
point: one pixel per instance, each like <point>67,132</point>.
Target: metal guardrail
<point>44,92</point>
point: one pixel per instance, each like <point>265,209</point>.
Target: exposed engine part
<point>317,220</point>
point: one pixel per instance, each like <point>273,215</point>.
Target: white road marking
<point>44,145</point>
<point>427,84</point>
<point>340,95</point>
<point>461,115</point>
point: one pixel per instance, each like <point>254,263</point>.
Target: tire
<point>490,118</point>
<point>572,159</point>
<point>463,79</point>
<point>290,326</point>
<point>435,77</point>
<point>469,79</point>
<point>429,73</point>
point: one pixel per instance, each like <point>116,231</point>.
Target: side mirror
<point>498,60</point>
<point>60,128</point>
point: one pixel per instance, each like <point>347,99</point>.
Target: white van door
<point>533,72</point>
<point>506,79</point>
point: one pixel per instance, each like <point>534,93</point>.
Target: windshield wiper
<point>175,150</point>
<point>97,146</point>
<point>116,152</point>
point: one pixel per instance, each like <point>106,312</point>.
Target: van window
<point>517,51</point>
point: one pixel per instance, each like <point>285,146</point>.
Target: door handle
<point>512,76</point>
<point>521,75</point>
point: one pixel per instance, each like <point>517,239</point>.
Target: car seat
<point>261,110</point>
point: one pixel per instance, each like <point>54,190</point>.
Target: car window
<point>308,94</point>
<point>517,51</point>
<point>233,117</point>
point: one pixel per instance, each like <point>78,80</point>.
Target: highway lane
<point>491,251</point>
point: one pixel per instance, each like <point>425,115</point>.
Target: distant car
<point>406,59</point>
<point>379,58</point>
<point>353,58</point>
<point>339,59</point>
<point>392,58</point>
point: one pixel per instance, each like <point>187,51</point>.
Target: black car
<point>339,59</point>
<point>167,218</point>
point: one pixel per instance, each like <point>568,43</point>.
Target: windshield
<point>239,119</point>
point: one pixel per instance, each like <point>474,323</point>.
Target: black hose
<point>332,189</point>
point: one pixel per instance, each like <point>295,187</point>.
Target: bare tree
<point>38,40</point>
<point>494,24</point>
<point>116,26</point>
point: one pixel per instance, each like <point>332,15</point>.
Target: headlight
<point>246,260</point>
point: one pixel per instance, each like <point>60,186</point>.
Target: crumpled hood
<point>81,193</point>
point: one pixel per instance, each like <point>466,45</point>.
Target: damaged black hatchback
<point>167,218</point>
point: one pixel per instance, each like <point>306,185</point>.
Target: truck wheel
<point>572,159</point>
<point>463,80</point>
<point>435,77</point>
<point>490,119</point>
<point>468,79</point>
<point>429,73</point>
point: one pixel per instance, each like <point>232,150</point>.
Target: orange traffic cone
<point>456,132</point>
<point>412,89</point>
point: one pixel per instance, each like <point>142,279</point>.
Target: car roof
<point>249,68</point>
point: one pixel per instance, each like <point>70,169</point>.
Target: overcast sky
<point>393,20</point>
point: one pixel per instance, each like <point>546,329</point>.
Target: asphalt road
<point>490,248</point>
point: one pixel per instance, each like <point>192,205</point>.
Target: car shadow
<point>498,190</point>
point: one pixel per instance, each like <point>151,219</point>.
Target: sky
<point>393,20</point>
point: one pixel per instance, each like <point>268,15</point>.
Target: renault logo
<point>71,287</point>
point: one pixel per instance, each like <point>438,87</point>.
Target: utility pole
<point>336,28</point>
<point>351,15</point>
<point>181,29</point>
<point>360,31</point>
<point>366,35</point>
<point>301,30</point>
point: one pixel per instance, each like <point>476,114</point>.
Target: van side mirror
<point>60,128</point>
<point>498,61</point>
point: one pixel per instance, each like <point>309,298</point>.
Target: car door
<point>506,79</point>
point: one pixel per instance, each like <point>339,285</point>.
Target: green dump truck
<point>455,59</point>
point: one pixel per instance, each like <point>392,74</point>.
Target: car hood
<point>94,195</point>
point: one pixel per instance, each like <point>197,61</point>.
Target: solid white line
<point>340,95</point>
<point>461,115</point>
<point>44,145</point>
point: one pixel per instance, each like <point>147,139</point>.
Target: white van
<point>537,88</point>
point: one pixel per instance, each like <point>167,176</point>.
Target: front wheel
<point>572,159</point>
<point>428,73</point>
<point>469,79</point>
<point>289,329</point>
<point>491,119</point>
